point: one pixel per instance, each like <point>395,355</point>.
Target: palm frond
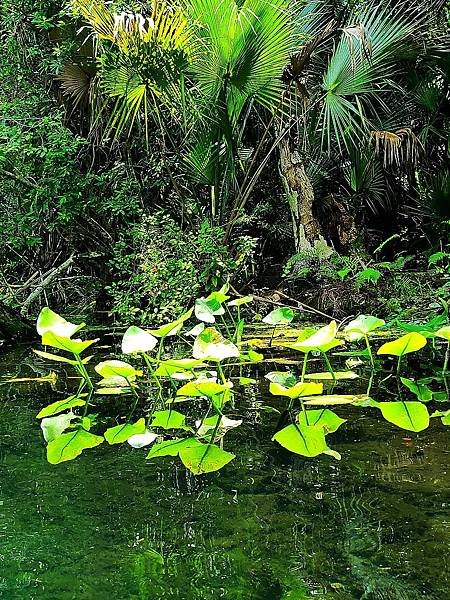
<point>366,181</point>
<point>75,83</point>
<point>401,147</point>
<point>241,49</point>
<point>365,58</point>
<point>142,67</point>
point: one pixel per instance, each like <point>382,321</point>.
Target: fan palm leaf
<point>142,66</point>
<point>364,63</point>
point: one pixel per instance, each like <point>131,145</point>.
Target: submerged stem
<point>329,367</point>
<point>444,368</point>
<point>369,349</point>
<point>399,364</point>
<point>305,360</point>
<point>271,337</point>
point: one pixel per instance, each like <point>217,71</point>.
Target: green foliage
<point>209,391</point>
<point>158,269</point>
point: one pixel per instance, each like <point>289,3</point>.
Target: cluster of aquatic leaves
<point>154,386</point>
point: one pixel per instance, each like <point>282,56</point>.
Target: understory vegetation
<point>151,152</point>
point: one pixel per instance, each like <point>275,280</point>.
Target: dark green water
<point>269,526</point>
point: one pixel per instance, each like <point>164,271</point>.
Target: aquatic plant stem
<point>226,327</point>
<point>399,364</point>
<point>221,373</point>
<point>369,350</point>
<point>444,368</point>
<point>136,397</point>
<point>152,373</point>
<point>271,337</point>
<point>160,348</point>
<point>83,371</point>
<point>329,367</point>
<point>305,361</point>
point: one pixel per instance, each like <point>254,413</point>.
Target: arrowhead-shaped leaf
<point>211,344</point>
<point>411,342</point>
<point>65,343</point>
<point>302,439</point>
<point>412,416</point>
<point>136,339</point>
<point>121,433</point>
<point>60,406</point>
<point>48,320</point>
<point>70,445</point>
<point>205,458</point>
<point>279,316</point>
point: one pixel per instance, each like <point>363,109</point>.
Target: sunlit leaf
<point>325,418</point>
<point>51,321</point>
<point>70,445</point>
<point>220,295</point>
<point>284,378</point>
<point>422,391</point>
<point>206,309</point>
<point>113,391</point>
<point>60,406</point>
<point>247,380</point>
<point>411,342</point>
<point>55,357</point>
<point>296,391</point>
<point>362,326</point>
<point>255,357</point>
<point>326,376</point>
<point>334,399</point>
<point>64,343</point>
<point>117,368</point>
<point>207,388</point>
<point>136,339</point>
<point>173,327</point>
<point>205,458</point>
<point>178,368</point>
<point>444,333</point>
<point>444,414</point>
<point>196,330</point>
<point>412,416</point>
<point>302,439</point>
<point>241,301</point>
<point>52,427</point>
<point>211,344</point>
<point>121,433</point>
<point>279,316</point>
<point>169,419</point>
<point>172,447</point>
<point>322,340</point>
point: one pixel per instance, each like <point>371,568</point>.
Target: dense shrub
<point>158,269</point>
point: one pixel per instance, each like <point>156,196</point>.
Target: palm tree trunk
<point>300,195</point>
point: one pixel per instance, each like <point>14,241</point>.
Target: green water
<point>269,526</point>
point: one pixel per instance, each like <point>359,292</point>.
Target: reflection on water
<point>269,526</point>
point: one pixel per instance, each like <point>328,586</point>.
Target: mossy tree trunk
<point>300,195</point>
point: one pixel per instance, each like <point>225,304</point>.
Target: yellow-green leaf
<point>411,342</point>
<point>70,445</point>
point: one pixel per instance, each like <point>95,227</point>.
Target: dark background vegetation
<point>114,223</point>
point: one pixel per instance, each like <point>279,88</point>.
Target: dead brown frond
<point>75,83</point>
<point>357,33</point>
<point>401,147</point>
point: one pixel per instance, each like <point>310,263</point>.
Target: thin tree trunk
<point>300,195</point>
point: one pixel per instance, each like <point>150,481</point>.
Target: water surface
<point>269,526</point>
